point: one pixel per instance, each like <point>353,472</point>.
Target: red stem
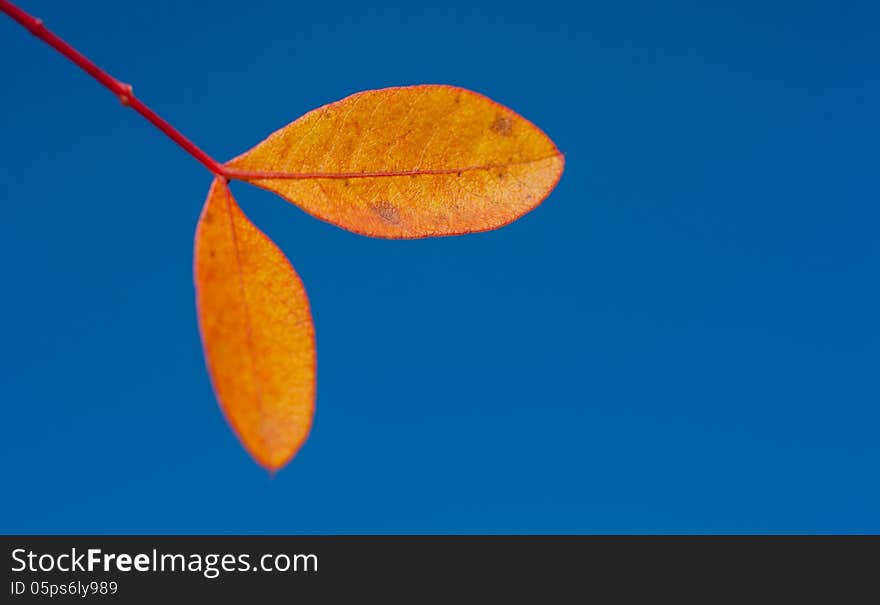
<point>121,90</point>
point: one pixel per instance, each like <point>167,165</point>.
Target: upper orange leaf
<point>256,330</point>
<point>408,162</point>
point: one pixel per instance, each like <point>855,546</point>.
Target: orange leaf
<point>408,162</point>
<point>256,331</point>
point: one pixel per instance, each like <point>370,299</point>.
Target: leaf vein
<point>257,175</point>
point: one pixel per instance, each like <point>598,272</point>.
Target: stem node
<point>126,95</point>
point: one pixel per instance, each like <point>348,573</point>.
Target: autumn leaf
<point>256,331</point>
<point>408,162</point>
<point>399,163</point>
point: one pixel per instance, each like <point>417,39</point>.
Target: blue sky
<point>683,338</point>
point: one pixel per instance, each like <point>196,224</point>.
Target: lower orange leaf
<point>257,331</point>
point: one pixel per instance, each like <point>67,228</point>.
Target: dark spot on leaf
<point>502,125</point>
<point>388,212</point>
<point>209,218</point>
<point>502,174</point>
<point>213,254</point>
<point>345,182</point>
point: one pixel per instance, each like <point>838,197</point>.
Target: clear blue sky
<point>683,338</point>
